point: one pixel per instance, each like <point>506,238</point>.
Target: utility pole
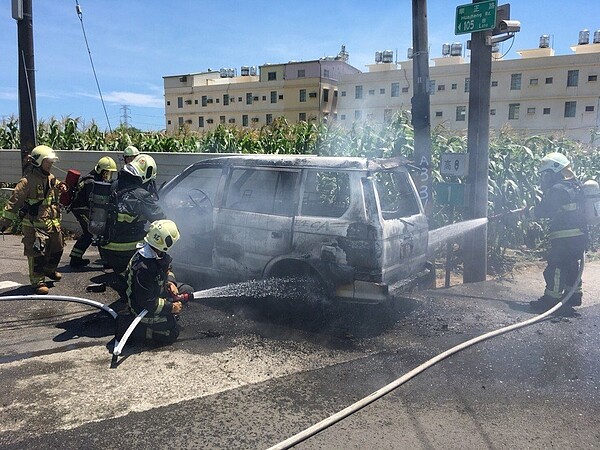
<point>475,263</point>
<point>22,12</point>
<point>420,102</point>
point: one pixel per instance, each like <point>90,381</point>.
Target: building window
<point>382,91</point>
<point>302,117</point>
<point>168,122</point>
<point>264,98</point>
<point>343,117</point>
<point>531,110</point>
<point>280,96</point>
<point>461,113</point>
<point>180,102</point>
<point>222,119</point>
<point>387,115</point>
<point>239,99</point>
<point>438,114</point>
<point>570,108</point>
<point>441,87</point>
<point>358,92</point>
<point>494,83</point>
<point>549,80</point>
<point>513,111</point>
<point>515,82</point>
<point>325,95</point>
<point>404,90</point>
<point>492,112</point>
<point>302,97</point>
<point>225,99</point>
<point>572,78</point>
<point>269,119</point>
<point>245,120</point>
<point>343,93</point>
<point>273,96</point>
<point>248,98</point>
<point>271,76</point>
<point>201,121</point>
<point>357,114</point>
<point>395,91</point>
<point>371,91</point>
<point>467,84</point>
<point>326,73</point>
<point>593,78</point>
<point>168,103</point>
<point>546,111</point>
<point>301,73</point>
<point>180,121</point>
<point>455,86</point>
<point>589,108</point>
<point>196,102</point>
<point>533,82</point>
<point>204,100</point>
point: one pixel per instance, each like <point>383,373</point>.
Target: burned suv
<point>355,224</point>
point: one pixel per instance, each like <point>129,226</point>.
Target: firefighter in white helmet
<point>80,206</point>
<point>130,153</point>
<point>35,200</point>
<point>133,205</point>
<point>151,284</point>
<point>562,203</point>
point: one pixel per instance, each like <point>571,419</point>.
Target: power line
<point>80,15</point>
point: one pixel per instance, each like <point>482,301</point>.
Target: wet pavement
<point>249,373</point>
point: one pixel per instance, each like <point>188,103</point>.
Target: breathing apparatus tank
<point>99,208</point>
<point>591,202</point>
<point>71,181</point>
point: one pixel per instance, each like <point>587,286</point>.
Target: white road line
<point>9,284</point>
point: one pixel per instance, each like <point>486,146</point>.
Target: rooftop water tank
<point>456,49</point>
<point>388,56</point>
<point>223,73</point>
<point>544,41</point>
<point>446,49</point>
<point>597,37</point>
<point>378,57</point>
<point>584,37</point>
<point>409,53</point>
<point>245,71</point>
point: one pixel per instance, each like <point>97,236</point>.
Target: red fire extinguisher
<point>71,180</point>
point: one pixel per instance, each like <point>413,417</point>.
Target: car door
<point>254,224</point>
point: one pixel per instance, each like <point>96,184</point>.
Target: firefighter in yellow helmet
<point>133,206</point>
<point>35,200</point>
<point>102,172</point>
<point>151,284</point>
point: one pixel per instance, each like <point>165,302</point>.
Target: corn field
<point>513,160</point>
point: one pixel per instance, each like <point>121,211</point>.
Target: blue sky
<point>134,43</point>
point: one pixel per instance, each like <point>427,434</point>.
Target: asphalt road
<point>249,373</point>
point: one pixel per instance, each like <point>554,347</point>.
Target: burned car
<point>357,225</point>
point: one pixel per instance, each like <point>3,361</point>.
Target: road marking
<point>9,284</point>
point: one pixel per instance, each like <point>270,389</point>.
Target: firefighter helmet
<point>554,162</point>
<point>40,153</point>
<point>162,234</point>
<point>143,166</point>
<point>130,150</point>
<point>105,163</point>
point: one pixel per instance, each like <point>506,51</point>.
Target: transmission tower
<point>125,115</point>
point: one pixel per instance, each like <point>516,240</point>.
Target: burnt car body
<point>356,224</point>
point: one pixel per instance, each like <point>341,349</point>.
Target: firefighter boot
<point>41,289</point>
<point>543,303</point>
<point>78,262</point>
<point>54,276</point>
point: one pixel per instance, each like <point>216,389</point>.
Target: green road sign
<point>474,17</point>
<point>453,194</point>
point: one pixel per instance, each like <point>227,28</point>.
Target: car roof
<point>304,161</point>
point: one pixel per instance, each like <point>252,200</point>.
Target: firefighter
<point>130,153</point>
<point>103,171</point>
<point>562,203</point>
<point>151,284</point>
<point>132,207</point>
<point>35,200</point>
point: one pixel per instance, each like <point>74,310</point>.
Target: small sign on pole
<point>474,17</point>
<point>456,164</point>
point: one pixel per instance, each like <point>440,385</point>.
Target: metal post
<point>475,264</point>
<point>27,107</point>
<point>420,102</point>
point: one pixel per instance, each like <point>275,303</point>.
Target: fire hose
<point>333,419</point>
<point>84,301</point>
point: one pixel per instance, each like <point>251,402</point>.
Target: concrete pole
<point>475,264</point>
<point>27,106</point>
<point>420,102</point>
